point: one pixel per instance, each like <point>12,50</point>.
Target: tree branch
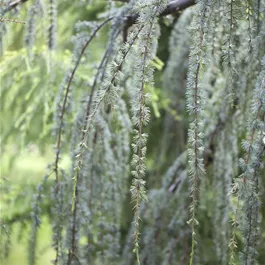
<point>177,5</point>
<point>172,7</point>
<point>12,5</point>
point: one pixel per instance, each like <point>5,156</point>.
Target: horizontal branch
<point>177,5</point>
<point>12,5</point>
<point>172,7</point>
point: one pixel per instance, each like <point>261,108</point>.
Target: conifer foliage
<point>158,107</point>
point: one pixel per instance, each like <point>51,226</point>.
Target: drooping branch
<point>71,77</point>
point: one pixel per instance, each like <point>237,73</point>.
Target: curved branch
<point>58,144</point>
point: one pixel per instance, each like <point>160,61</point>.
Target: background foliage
<point>132,132</point>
